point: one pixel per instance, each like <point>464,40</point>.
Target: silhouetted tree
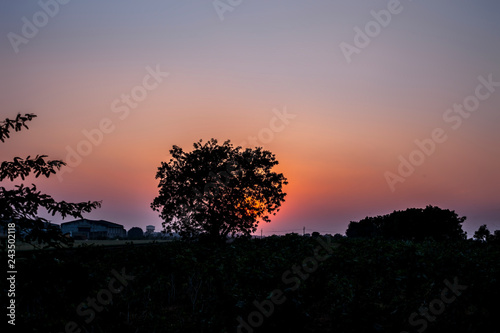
<point>495,237</point>
<point>135,233</point>
<point>218,190</point>
<point>369,227</point>
<point>411,224</point>
<point>19,206</point>
<point>482,234</point>
<point>338,237</point>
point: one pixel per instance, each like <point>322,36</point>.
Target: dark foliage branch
<point>23,167</point>
<point>24,202</point>
<point>14,124</point>
<point>21,204</point>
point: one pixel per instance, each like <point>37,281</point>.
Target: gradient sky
<point>352,120</point>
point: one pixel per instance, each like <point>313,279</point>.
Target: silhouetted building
<point>150,229</point>
<point>93,229</point>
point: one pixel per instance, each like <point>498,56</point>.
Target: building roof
<point>100,222</point>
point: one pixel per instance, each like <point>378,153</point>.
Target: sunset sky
<point>339,90</point>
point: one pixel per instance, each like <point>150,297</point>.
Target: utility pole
<point>260,233</point>
<point>304,231</point>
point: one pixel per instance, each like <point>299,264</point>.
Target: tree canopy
<point>218,190</point>
<point>19,206</point>
<point>411,224</point>
<point>135,233</point>
<point>482,234</point>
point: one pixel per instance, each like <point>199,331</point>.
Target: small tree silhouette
<point>135,233</point>
<point>482,234</point>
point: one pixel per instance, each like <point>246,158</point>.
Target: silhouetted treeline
<point>411,224</point>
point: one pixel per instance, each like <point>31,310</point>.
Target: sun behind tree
<point>218,190</point>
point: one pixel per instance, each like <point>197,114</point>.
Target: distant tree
<point>315,234</point>
<point>495,237</point>
<point>338,237</point>
<point>369,227</point>
<point>482,234</point>
<point>218,190</point>
<point>411,224</point>
<point>19,206</point>
<point>135,233</point>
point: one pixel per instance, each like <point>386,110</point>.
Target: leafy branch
<point>21,204</point>
<point>23,167</point>
<point>15,124</point>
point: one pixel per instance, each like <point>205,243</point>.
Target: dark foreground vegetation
<point>364,285</point>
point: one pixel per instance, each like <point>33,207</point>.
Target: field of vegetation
<point>276,284</point>
<point>20,246</point>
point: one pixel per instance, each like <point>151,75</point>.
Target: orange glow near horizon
<point>277,80</point>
